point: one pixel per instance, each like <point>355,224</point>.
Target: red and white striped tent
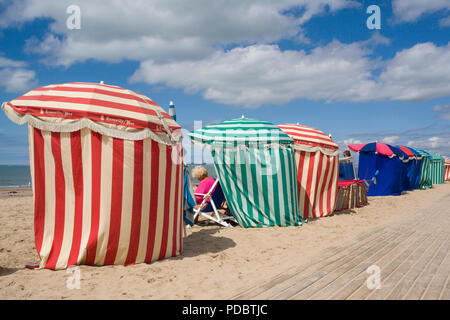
<point>107,180</point>
<point>317,160</point>
<point>447,170</point>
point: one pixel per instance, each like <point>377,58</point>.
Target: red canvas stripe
<point>304,137</point>
<point>301,162</point>
<point>298,130</point>
<point>39,188</point>
<point>99,91</point>
<point>327,170</point>
<point>77,170</point>
<point>330,188</point>
<point>89,102</point>
<point>309,183</point>
<point>95,116</point>
<point>96,151</point>
<point>180,205</point>
<point>168,183</point>
<point>154,190</point>
<point>60,190</point>
<point>176,212</point>
<point>136,214</point>
<point>116,201</point>
<point>317,187</point>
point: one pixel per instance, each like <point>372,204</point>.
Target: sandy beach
<point>217,263</point>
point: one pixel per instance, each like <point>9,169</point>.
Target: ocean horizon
<point>15,176</point>
<point>18,176</point>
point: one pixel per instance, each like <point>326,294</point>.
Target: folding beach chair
<point>216,197</point>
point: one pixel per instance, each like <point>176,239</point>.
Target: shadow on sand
<point>203,241</point>
<point>7,271</point>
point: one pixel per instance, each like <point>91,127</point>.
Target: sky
<point>312,62</point>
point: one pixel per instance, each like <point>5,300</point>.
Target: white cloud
<point>390,139</point>
<point>435,144</point>
<point>412,10</point>
<point>15,77</point>
<point>261,74</point>
<point>443,111</point>
<point>161,30</point>
<point>418,73</point>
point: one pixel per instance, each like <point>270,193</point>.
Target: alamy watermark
<point>73,22</point>
<point>373,282</point>
<point>74,280</point>
<point>374,20</point>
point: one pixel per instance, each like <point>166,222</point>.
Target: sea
<point>15,176</point>
<point>18,176</point>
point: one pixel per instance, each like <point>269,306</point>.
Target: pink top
<point>203,188</point>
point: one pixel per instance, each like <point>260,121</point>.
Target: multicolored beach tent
<point>106,172</point>
<point>437,168</point>
<point>317,160</point>
<point>447,170</point>
<point>425,169</point>
<point>254,161</point>
<point>413,167</point>
<point>384,165</point>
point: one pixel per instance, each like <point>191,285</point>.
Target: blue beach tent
<point>384,165</point>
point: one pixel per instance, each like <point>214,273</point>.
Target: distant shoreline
<point>16,192</point>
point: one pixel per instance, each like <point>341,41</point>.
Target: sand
<point>217,263</point>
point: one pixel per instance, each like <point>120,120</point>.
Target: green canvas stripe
<point>264,185</point>
<point>252,167</point>
<point>258,194</point>
<point>284,179</point>
<point>277,200</point>
<point>226,183</point>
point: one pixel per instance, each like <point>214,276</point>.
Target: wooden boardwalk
<point>413,257</point>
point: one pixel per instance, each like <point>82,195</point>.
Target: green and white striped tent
<point>437,168</point>
<point>255,165</point>
<point>425,171</point>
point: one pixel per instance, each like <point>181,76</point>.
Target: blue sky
<point>312,62</point>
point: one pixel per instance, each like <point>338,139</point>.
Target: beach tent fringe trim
<point>170,140</point>
<point>327,152</point>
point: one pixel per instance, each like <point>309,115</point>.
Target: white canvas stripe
<point>71,107</point>
<point>86,151</point>
<point>127,202</point>
<point>49,223</point>
<point>321,176</point>
<point>86,95</point>
<point>105,199</point>
<point>271,170</point>
<point>303,184</point>
<point>146,189</point>
<point>259,173</point>
<point>161,201</point>
<point>314,183</point>
<point>69,210</point>
<point>172,207</point>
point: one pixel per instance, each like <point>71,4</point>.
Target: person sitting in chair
<point>201,174</point>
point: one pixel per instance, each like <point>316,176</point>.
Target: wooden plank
<point>301,292</point>
<point>363,292</point>
<point>388,283</point>
<point>279,283</point>
<point>408,279</point>
<point>434,289</point>
<point>314,273</point>
<point>419,286</point>
<point>353,281</point>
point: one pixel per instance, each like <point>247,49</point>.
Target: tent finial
<point>102,82</point>
<point>242,117</point>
